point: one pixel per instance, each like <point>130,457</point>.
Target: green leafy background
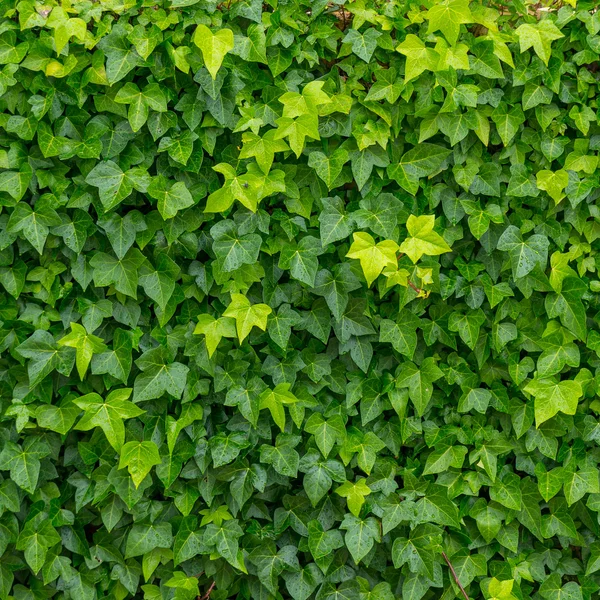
<point>299,300</point>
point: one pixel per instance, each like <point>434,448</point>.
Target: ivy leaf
<point>36,540</point>
<point>263,149</point>
<point>419,382</point>
<point>113,184</point>
<point>524,254</point>
<point>328,168</point>
<point>142,539</point>
<point>355,494</point>
<point>388,86</point>
<point>118,361</point>
<point>327,432</point>
<point>279,326</point>
<point>271,562</point>
<point>335,222</point>
<point>214,330</point>
<point>447,17</point>
<point>171,197</point>
<point>551,397</point>
<point>140,102</point>
<point>120,272</point>
<point>539,36</point>
<point>282,456</point>
<point>33,224</point>
<point>85,345</point>
<point>321,543</point>
<point>159,283</point>
<point>363,44</point>
<point>444,457</point>
<point>275,400</point>
<point>553,183</point>
<point>360,536</point>
<point>247,315</point>
<point>158,376</point>
<point>374,257</point>
<point>567,305</point>
<point>418,57</point>
<point>423,240</point>
<point>24,463</point>
<point>296,131</point>
<point>45,355</point>
<point>225,538</point>
<point>214,46</point>
<point>57,418</point>
<point>418,551</point>
<point>438,508</point>
<point>301,259</point>
<point>139,458</point>
<point>108,414</point>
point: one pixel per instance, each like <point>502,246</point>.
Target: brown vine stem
<point>414,287</point>
<point>462,589</point>
<point>210,589</point>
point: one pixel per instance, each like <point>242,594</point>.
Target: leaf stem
<point>210,589</point>
<point>462,589</point>
<point>414,287</point>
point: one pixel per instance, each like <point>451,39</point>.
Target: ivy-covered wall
<point>299,300</point>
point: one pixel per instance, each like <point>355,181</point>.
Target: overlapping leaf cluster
<point>299,300</point>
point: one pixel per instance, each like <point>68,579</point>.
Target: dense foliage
<point>299,300</point>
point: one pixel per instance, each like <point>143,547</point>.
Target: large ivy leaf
<point>108,414</point>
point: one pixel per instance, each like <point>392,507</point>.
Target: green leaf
<point>45,356</point>
<point>262,149</point>
<point>321,543</point>
<point>360,535</point>
<point>423,240</point>
<point>57,418</point>
<point>158,376</point>
<point>112,183</point>
<point>553,183</point>
<point>524,254</point>
<point>246,315</point>
<point>214,330</point>
<point>447,17</point>
<point>118,361</point>
<point>327,432</point>
<point>33,224</point>
<point>419,382</point>
<point>145,538</point>
<point>374,257</point>
<point>120,272</point>
<point>418,550</point>
<point>301,259</point>
<point>85,346</point>
<point>539,37</point>
<point>225,538</point>
<point>171,197</point>
<point>418,57</point>
<point>214,46</point>
<point>275,400</point>
<point>108,414</point>
<point>335,223</point>
<point>444,457</point>
<point>363,44</point>
<point>328,168</point>
<point>552,397</point>
<point>282,456</point>
<point>355,494</point>
<point>36,540</point>
<point>139,458</point>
